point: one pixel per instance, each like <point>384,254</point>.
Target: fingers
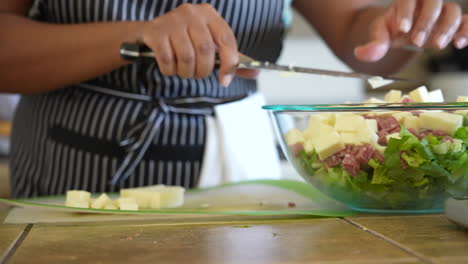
<point>430,11</point>
<point>205,50</point>
<point>165,57</point>
<point>379,45</point>
<point>184,53</point>
<point>404,14</point>
<point>447,26</point>
<point>461,37</point>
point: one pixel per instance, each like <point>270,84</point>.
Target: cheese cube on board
<point>436,96</point>
<point>80,197</point>
<point>171,196</point>
<point>129,207</point>
<point>394,96</point>
<point>328,145</point>
<point>111,206</point>
<point>446,122</point>
<point>462,99</point>
<point>144,198</point>
<point>78,204</point>
<point>420,95</point>
<point>101,202</point>
<point>294,136</point>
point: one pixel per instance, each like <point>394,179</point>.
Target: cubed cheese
<point>123,200</point>
<point>309,146</point>
<point>436,96</point>
<point>372,125</point>
<point>110,206</point>
<point>420,95</point>
<point>101,202</point>
<point>401,116</point>
<point>412,122</point>
<point>350,138</point>
<point>367,136</point>
<point>462,99</point>
<point>78,204</point>
<point>294,136</point>
<point>129,207</point>
<point>74,197</point>
<point>349,122</point>
<point>144,198</point>
<point>377,82</point>
<point>171,196</point>
<point>394,96</point>
<point>328,145</point>
<point>314,134</point>
<point>446,122</point>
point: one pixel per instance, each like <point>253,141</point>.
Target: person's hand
<point>186,40</point>
<point>423,23</point>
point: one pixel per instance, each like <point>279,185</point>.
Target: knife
<point>133,52</point>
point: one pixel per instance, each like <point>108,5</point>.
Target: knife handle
<point>136,52</point>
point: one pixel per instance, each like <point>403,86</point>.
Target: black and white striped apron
<point>133,126</point>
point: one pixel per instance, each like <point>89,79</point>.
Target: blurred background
<point>446,70</point>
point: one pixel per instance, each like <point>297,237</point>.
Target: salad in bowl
<point>407,153</point>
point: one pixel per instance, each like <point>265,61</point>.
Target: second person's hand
<point>185,42</point>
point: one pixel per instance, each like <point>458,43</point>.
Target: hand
<point>186,40</point>
<point>424,23</point>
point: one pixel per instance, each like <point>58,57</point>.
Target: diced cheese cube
<point>461,112</point>
<point>367,136</point>
<point>436,96</point>
<point>101,202</point>
<point>401,116</point>
<point>144,198</point>
<point>394,96</point>
<point>294,136</point>
<point>122,200</point>
<point>110,207</point>
<point>462,99</point>
<point>412,122</point>
<point>313,134</point>
<point>350,138</point>
<point>328,145</point>
<point>129,207</point>
<point>74,197</point>
<point>374,100</point>
<point>349,122</point>
<point>420,95</point>
<point>394,135</point>
<point>171,196</point>
<point>372,124</point>
<point>446,122</point>
<point>309,146</point>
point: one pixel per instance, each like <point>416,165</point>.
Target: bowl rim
<point>370,107</point>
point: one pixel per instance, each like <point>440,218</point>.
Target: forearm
<point>358,34</point>
<point>37,57</point>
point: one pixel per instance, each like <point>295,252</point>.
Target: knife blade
<point>133,51</point>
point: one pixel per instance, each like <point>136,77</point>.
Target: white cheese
<point>309,146</point>
<point>129,207</point>
<point>350,138</point>
<point>374,100</point>
<point>328,145</point>
<point>170,196</point>
<point>372,125</point>
<point>420,95</point>
<point>110,206</point>
<point>101,202</point>
<point>77,197</point>
<point>294,136</point>
<point>412,122</point>
<point>144,198</point>
<point>314,133</point>
<point>78,204</point>
<point>462,99</point>
<point>446,122</point>
<point>436,96</point>
<point>394,96</point>
<point>401,116</point>
<point>377,82</point>
<point>349,123</point>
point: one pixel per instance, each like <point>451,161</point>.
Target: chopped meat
<point>291,204</point>
<point>351,165</point>
<point>382,137</point>
<point>334,160</point>
<point>408,100</point>
<point>416,113</point>
<point>447,138</point>
<point>378,156</point>
<point>404,164</point>
<point>365,154</point>
<point>387,123</point>
<point>296,148</point>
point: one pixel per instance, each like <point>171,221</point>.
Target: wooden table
<point>359,239</point>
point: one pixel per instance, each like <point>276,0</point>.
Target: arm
<point>38,57</point>
<point>368,37</point>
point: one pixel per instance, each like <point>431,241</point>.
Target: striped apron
<point>133,126</point>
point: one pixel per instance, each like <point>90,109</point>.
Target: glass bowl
<point>381,158</point>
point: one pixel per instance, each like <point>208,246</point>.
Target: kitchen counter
<point>359,239</point>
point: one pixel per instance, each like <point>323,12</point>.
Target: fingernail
<point>420,39</point>
<point>442,41</point>
<point>461,42</point>
<point>227,79</point>
<point>405,25</point>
